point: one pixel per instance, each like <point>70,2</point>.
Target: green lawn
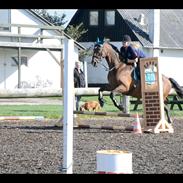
<point>48,111</point>
<point>56,111</point>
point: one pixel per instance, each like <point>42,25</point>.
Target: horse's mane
<point>117,52</point>
<point>114,48</point>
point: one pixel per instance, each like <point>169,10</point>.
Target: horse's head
<point>103,49</point>
<point>98,52</point>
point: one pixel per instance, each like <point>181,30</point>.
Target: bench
<point>172,100</point>
<point>175,101</point>
<point>135,102</point>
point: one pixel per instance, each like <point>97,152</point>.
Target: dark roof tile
<point>171,20</point>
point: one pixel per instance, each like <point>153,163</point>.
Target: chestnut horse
<point>120,78</point>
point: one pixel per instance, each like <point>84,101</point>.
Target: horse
<point>120,79</point>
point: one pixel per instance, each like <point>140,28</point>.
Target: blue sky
<point>69,13</point>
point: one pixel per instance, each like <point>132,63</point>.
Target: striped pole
<point>107,114</point>
<point>21,117</point>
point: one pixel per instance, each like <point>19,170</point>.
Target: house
<point>31,50</point>
<point>114,23</point>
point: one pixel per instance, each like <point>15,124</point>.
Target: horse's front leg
<point>120,89</point>
<point>115,102</point>
<point>100,94</point>
<point>100,97</point>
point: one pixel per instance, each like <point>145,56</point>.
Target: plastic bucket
<point>114,162</point>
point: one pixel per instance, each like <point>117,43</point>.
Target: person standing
<point>79,80</point>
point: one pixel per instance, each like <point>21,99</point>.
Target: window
<point>4,19</point>
<point>93,17</point>
<point>24,61</point>
<point>109,17</point>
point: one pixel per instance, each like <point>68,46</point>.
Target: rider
<point>130,52</point>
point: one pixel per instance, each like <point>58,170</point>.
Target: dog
<point>90,106</point>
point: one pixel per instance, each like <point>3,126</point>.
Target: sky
<point>69,13</point>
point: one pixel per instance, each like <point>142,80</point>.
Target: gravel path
<point>36,147</point>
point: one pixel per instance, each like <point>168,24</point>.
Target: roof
<point>77,44</point>
<point>171,23</point>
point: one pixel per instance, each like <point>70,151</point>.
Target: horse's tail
<point>177,87</point>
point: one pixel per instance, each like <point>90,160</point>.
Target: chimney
<point>154,30</point>
<point>141,19</point>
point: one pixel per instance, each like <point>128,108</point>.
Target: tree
<point>54,19</point>
<point>76,31</point>
<point>73,31</point>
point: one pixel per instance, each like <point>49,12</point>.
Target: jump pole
<point>21,118</point>
<point>117,114</point>
<point>68,106</point>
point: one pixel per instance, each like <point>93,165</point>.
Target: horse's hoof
<point>101,103</point>
<point>121,108</point>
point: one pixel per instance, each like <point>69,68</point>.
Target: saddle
<point>136,69</point>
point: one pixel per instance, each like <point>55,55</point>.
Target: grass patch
<point>56,111</point>
<point>48,111</point>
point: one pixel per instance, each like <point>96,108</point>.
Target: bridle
<point>99,61</point>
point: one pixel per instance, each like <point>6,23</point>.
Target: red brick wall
<point>152,106</point>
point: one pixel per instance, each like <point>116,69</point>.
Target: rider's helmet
<point>126,38</point>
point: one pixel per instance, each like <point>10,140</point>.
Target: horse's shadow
<point>100,131</point>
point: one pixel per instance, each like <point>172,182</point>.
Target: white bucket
<point>114,162</point>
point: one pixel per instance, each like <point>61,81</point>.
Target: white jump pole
<point>68,106</point>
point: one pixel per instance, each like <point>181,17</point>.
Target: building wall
<point>38,73</point>
<point>172,64</point>
<point>42,70</point>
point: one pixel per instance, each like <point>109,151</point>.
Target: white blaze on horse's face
<point>97,55</point>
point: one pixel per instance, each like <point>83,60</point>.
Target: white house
<point>114,23</point>
<point>26,36</point>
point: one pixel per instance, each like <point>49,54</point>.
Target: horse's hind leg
<point>119,106</point>
<point>168,114</point>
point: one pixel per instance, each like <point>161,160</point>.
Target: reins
<point>106,68</point>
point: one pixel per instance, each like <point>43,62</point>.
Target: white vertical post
<point>154,30</point>
<point>68,106</point>
<point>85,72</point>
<point>126,103</point>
